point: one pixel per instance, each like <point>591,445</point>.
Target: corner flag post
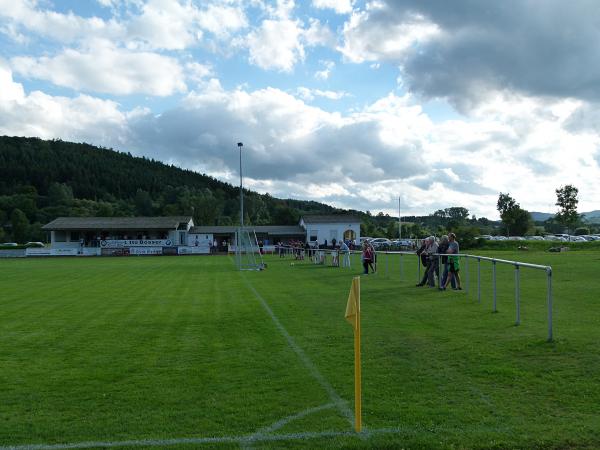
<point>353,316</point>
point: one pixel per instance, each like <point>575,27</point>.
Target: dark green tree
<point>566,200</point>
<point>143,203</point>
<point>20,226</point>
<point>507,206</point>
<point>60,194</point>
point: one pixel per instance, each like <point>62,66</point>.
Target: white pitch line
<point>258,435</point>
<point>244,439</point>
<point>333,395</point>
<point>180,441</point>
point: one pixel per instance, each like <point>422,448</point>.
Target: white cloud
<point>324,74</point>
<point>105,68</point>
<point>339,6</point>
<point>82,118</point>
<point>318,34</point>
<point>276,45</point>
<point>222,20</point>
<point>9,90</point>
<point>56,26</point>
<point>368,39</point>
<point>198,72</point>
<point>166,24</point>
<point>310,94</point>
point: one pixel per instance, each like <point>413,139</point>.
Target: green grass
<point>150,348</point>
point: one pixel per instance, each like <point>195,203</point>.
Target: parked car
<point>487,237</point>
<point>403,242</point>
<point>516,238</point>
<point>534,238</point>
<point>578,239</point>
<point>380,242</point>
<point>9,244</point>
<point>36,244</point>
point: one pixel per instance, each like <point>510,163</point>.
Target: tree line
<point>517,221</point>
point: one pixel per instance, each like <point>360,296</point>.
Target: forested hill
<point>41,180</point>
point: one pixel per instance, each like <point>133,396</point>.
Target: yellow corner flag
<point>353,316</point>
<point>353,305</point>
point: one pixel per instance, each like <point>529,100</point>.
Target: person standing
<point>433,268</point>
<point>442,249</point>
<point>345,250</point>
<point>367,258</point>
<point>453,262</point>
<point>373,262</point>
<point>424,257</point>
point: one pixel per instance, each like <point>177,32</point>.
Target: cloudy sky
<point>352,103</point>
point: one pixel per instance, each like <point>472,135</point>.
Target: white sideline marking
<point>333,395</point>
<point>260,434</point>
<point>244,439</point>
<point>179,441</point>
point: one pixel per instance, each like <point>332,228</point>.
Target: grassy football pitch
<point>186,352</point>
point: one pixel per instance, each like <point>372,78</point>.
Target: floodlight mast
<point>240,145</point>
<point>399,220</point>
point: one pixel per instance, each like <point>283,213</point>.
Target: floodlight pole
<point>399,220</point>
<point>240,145</point>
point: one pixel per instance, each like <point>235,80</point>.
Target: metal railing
<point>494,261</point>
<point>385,265</point>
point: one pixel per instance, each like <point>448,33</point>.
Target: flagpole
<point>357,372</point>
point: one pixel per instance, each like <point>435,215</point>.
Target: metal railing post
<point>517,295</point>
<point>549,295</point>
<point>479,280</point>
<point>467,276</point>
<point>387,258</point>
<point>440,271</point>
<point>494,283</point>
<point>401,266</point>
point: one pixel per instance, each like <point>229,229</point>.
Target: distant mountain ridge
<point>540,216</point>
<point>592,216</point>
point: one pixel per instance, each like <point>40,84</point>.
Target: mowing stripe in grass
<point>341,404</point>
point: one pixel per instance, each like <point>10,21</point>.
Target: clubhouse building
<point>178,235</point>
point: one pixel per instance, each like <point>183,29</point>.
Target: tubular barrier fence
<point>319,256</point>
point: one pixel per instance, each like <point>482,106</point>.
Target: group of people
<point>430,252</point>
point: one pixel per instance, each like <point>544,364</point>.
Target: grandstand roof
<point>273,230</point>
<point>333,218</point>
<point>117,223</point>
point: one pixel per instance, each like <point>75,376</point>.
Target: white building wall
<point>326,231</point>
<point>199,239</point>
<point>67,243</point>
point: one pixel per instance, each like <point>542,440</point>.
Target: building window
<point>313,235</point>
<point>182,240</point>
<point>60,236</point>
<point>74,236</point>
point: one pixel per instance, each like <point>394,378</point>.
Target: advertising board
<point>113,243</point>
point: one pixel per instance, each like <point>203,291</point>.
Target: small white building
<point>325,228</point>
